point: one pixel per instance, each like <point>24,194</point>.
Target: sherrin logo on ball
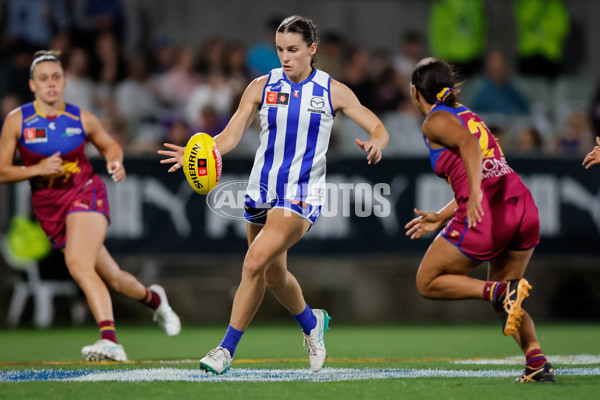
<point>202,163</point>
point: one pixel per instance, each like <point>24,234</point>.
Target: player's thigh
<point>442,258</point>
<point>511,264</point>
<point>85,236</point>
<point>282,230</point>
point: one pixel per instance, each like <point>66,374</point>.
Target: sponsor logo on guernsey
<point>72,131</point>
<point>278,98</point>
<point>317,104</point>
<point>495,167</point>
<point>52,125</point>
<point>35,135</point>
<point>296,93</point>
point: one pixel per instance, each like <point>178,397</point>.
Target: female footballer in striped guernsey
<point>492,217</point>
<point>70,200</point>
<point>296,104</point>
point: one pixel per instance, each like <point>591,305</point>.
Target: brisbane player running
<point>492,218</point>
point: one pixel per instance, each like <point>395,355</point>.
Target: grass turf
<point>281,347</point>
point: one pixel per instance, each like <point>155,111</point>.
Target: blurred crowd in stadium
<point>169,91</point>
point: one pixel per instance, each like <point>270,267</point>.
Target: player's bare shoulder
<point>13,122</point>
<point>341,95</point>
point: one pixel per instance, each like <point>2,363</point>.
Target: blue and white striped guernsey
<point>296,121</point>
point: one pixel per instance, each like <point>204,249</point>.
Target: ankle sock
<point>535,359</point>
<point>152,299</point>
<point>107,330</point>
<point>493,290</point>
<point>306,319</point>
<point>231,339</point>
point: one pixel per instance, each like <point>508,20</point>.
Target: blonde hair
<point>44,55</point>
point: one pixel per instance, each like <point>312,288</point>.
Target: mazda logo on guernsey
<point>228,198</point>
<point>317,102</point>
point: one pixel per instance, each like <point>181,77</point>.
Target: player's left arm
<point>106,145</point>
<point>446,129</point>
<point>343,99</point>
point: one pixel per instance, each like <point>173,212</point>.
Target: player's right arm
<point>243,117</point>
<point>9,139</point>
<point>428,221</point>
<point>231,135</point>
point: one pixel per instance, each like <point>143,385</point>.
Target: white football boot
<point>164,314</point>
<point>104,350</point>
<point>216,361</point>
<point>315,342</point>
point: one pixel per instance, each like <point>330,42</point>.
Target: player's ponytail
<point>436,81</point>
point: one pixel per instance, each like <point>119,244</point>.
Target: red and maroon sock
<point>493,290</point>
<point>152,299</point>
<point>107,330</point>
<point>535,359</point>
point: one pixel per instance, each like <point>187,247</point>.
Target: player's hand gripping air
<point>593,157</point>
<point>175,156</point>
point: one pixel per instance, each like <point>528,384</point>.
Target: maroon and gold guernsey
<point>54,196</point>
<point>498,180</point>
<point>510,219</point>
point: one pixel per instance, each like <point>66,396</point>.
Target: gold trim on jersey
<point>61,112</point>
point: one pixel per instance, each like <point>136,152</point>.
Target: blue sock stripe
<point>231,339</point>
<point>495,291</point>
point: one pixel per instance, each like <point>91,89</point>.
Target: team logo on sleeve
<point>35,135</point>
<point>278,98</point>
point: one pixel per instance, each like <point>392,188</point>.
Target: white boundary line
<point>262,375</point>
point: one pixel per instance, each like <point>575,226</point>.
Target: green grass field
<point>473,351</point>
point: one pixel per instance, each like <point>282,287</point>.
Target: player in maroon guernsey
<point>70,200</point>
<point>492,218</point>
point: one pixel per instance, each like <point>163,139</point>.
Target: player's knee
<point>424,286</point>
<point>254,266</point>
<point>77,269</point>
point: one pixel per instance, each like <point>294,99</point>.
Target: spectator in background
<point>594,111</point>
<point>388,94</point>
<point>7,104</point>
<point>542,28</point>
<point>262,57</point>
<point>93,17</point>
<point>179,133</point>
<point>164,54</point>
<point>497,94</point>
<point>36,22</point>
<point>175,86</point>
<point>412,50</point>
<point>80,89</point>
<point>330,55</point>
<point>529,142</point>
<point>216,93</point>
<point>458,33</point>
<point>235,69</point>
<point>357,76</point>
<point>577,138</point>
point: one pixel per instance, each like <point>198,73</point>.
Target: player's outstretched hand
<point>593,157</point>
<point>426,222</point>
<point>116,170</point>
<point>373,147</point>
<point>175,156</point>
